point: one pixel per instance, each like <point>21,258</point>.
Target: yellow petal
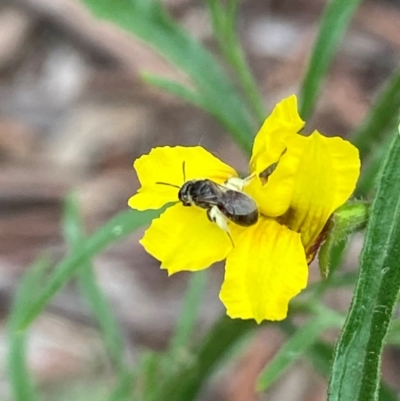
<point>153,197</point>
<point>274,197</point>
<point>266,268</point>
<point>326,176</point>
<point>270,141</point>
<point>174,165</point>
<point>183,238</point>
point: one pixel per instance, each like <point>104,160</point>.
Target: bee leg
<point>235,183</point>
<point>229,235</point>
<point>211,216</point>
<point>217,217</point>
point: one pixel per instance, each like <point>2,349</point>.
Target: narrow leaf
<point>187,382</point>
<point>116,229</point>
<point>357,359</point>
<point>394,333</point>
<point>149,21</point>
<point>348,219</point>
<point>189,313</point>
<point>18,370</point>
<point>371,167</point>
<point>296,347</point>
<point>332,28</point>
<point>320,353</point>
<point>174,88</point>
<point>223,19</point>
<point>123,389</point>
<point>373,130</point>
<point>87,282</point>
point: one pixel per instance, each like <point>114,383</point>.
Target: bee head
<point>184,194</point>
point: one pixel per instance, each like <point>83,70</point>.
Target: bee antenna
<point>184,170</point>
<point>170,185</point>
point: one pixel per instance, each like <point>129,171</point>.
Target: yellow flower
<point>297,183</point>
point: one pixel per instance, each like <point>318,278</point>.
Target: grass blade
<point>189,314</point>
<point>223,19</point>
<point>218,345</point>
<point>149,21</point>
<point>123,389</point>
<point>296,347</point>
<point>357,358</point>
<point>187,382</point>
<point>394,334</point>
<point>372,166</point>
<point>320,353</point>
<point>18,371</point>
<point>332,28</point>
<point>384,112</point>
<point>116,229</point>
<point>87,282</point>
<point>175,88</point>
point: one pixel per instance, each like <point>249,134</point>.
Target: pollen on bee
<point>216,216</point>
<point>235,183</point>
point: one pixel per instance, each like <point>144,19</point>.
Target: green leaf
<point>348,219</point>
<point>296,346</point>
<point>87,282</point>
<point>320,353</point>
<point>335,281</point>
<point>150,375</point>
<point>18,371</point>
<point>372,166</point>
<point>218,345</point>
<point>332,28</point>
<point>149,21</point>
<point>357,359</point>
<point>178,355</point>
<point>187,382</point>
<point>115,230</point>
<point>373,130</point>
<point>122,390</point>
<point>223,19</point>
<point>185,93</point>
<point>190,310</point>
<point>394,333</point>
<point>175,88</point>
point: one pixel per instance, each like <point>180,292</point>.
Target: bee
<point>222,202</point>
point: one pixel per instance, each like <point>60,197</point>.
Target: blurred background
<point>74,114</point>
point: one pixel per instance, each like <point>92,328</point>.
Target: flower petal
<point>274,196</point>
<point>174,166</point>
<point>183,238</point>
<point>326,176</point>
<point>266,268</point>
<point>153,197</point>
<point>270,142</point>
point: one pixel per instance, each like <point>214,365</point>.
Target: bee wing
<point>210,199</point>
<point>208,194</point>
<point>237,203</point>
